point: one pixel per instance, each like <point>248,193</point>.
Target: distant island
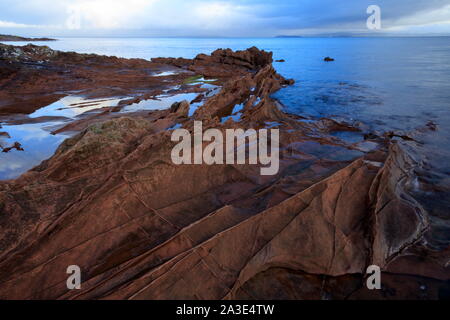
<point>286,36</point>
<point>5,37</point>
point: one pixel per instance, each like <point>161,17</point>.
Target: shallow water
<point>73,106</point>
<point>36,138</point>
<point>160,102</point>
<point>165,74</point>
<point>38,144</point>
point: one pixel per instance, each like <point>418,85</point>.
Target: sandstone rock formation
<point>140,227</point>
<point>32,77</point>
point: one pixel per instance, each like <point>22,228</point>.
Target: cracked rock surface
<point>140,227</point>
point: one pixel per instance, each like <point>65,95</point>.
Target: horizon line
<point>249,37</point>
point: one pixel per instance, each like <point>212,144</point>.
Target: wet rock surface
<point>140,227</point>
<point>34,76</point>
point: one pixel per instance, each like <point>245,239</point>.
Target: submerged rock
<point>16,145</point>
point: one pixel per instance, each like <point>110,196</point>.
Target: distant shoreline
<point>4,37</point>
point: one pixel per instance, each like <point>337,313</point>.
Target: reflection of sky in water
<point>205,82</point>
<point>328,152</point>
<point>193,107</point>
<point>72,106</point>
<point>38,145</point>
<point>161,103</point>
<point>235,114</point>
<point>348,136</point>
<point>213,90</point>
<point>272,124</point>
<point>166,73</point>
<point>177,126</point>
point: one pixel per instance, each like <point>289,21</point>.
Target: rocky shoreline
<point>112,202</point>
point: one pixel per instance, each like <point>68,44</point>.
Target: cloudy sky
<point>203,18</point>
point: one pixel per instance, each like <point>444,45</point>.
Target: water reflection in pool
<point>72,106</point>
<point>160,102</point>
<point>38,144</point>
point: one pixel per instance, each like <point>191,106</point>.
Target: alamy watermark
<point>237,146</point>
<point>73,21</point>
<point>374,280</point>
<point>374,20</point>
<point>74,280</point>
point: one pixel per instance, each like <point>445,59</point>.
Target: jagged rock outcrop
<point>223,62</point>
<point>180,108</point>
<point>245,90</point>
<point>239,62</point>
<point>29,52</point>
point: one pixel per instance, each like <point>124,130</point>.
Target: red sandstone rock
<point>35,76</point>
<point>112,202</point>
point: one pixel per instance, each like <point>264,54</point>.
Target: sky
<point>211,18</point>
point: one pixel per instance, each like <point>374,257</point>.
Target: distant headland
<point>287,36</point>
<point>5,37</point>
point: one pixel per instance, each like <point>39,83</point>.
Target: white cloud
<point>213,10</point>
<point>441,15</point>
<point>219,15</point>
<point>9,24</point>
<point>211,17</point>
<point>106,14</point>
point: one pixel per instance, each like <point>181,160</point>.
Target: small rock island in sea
<point>5,37</point>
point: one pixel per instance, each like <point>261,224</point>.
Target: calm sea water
<point>386,83</point>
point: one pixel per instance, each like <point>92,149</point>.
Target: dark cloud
<point>227,18</point>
